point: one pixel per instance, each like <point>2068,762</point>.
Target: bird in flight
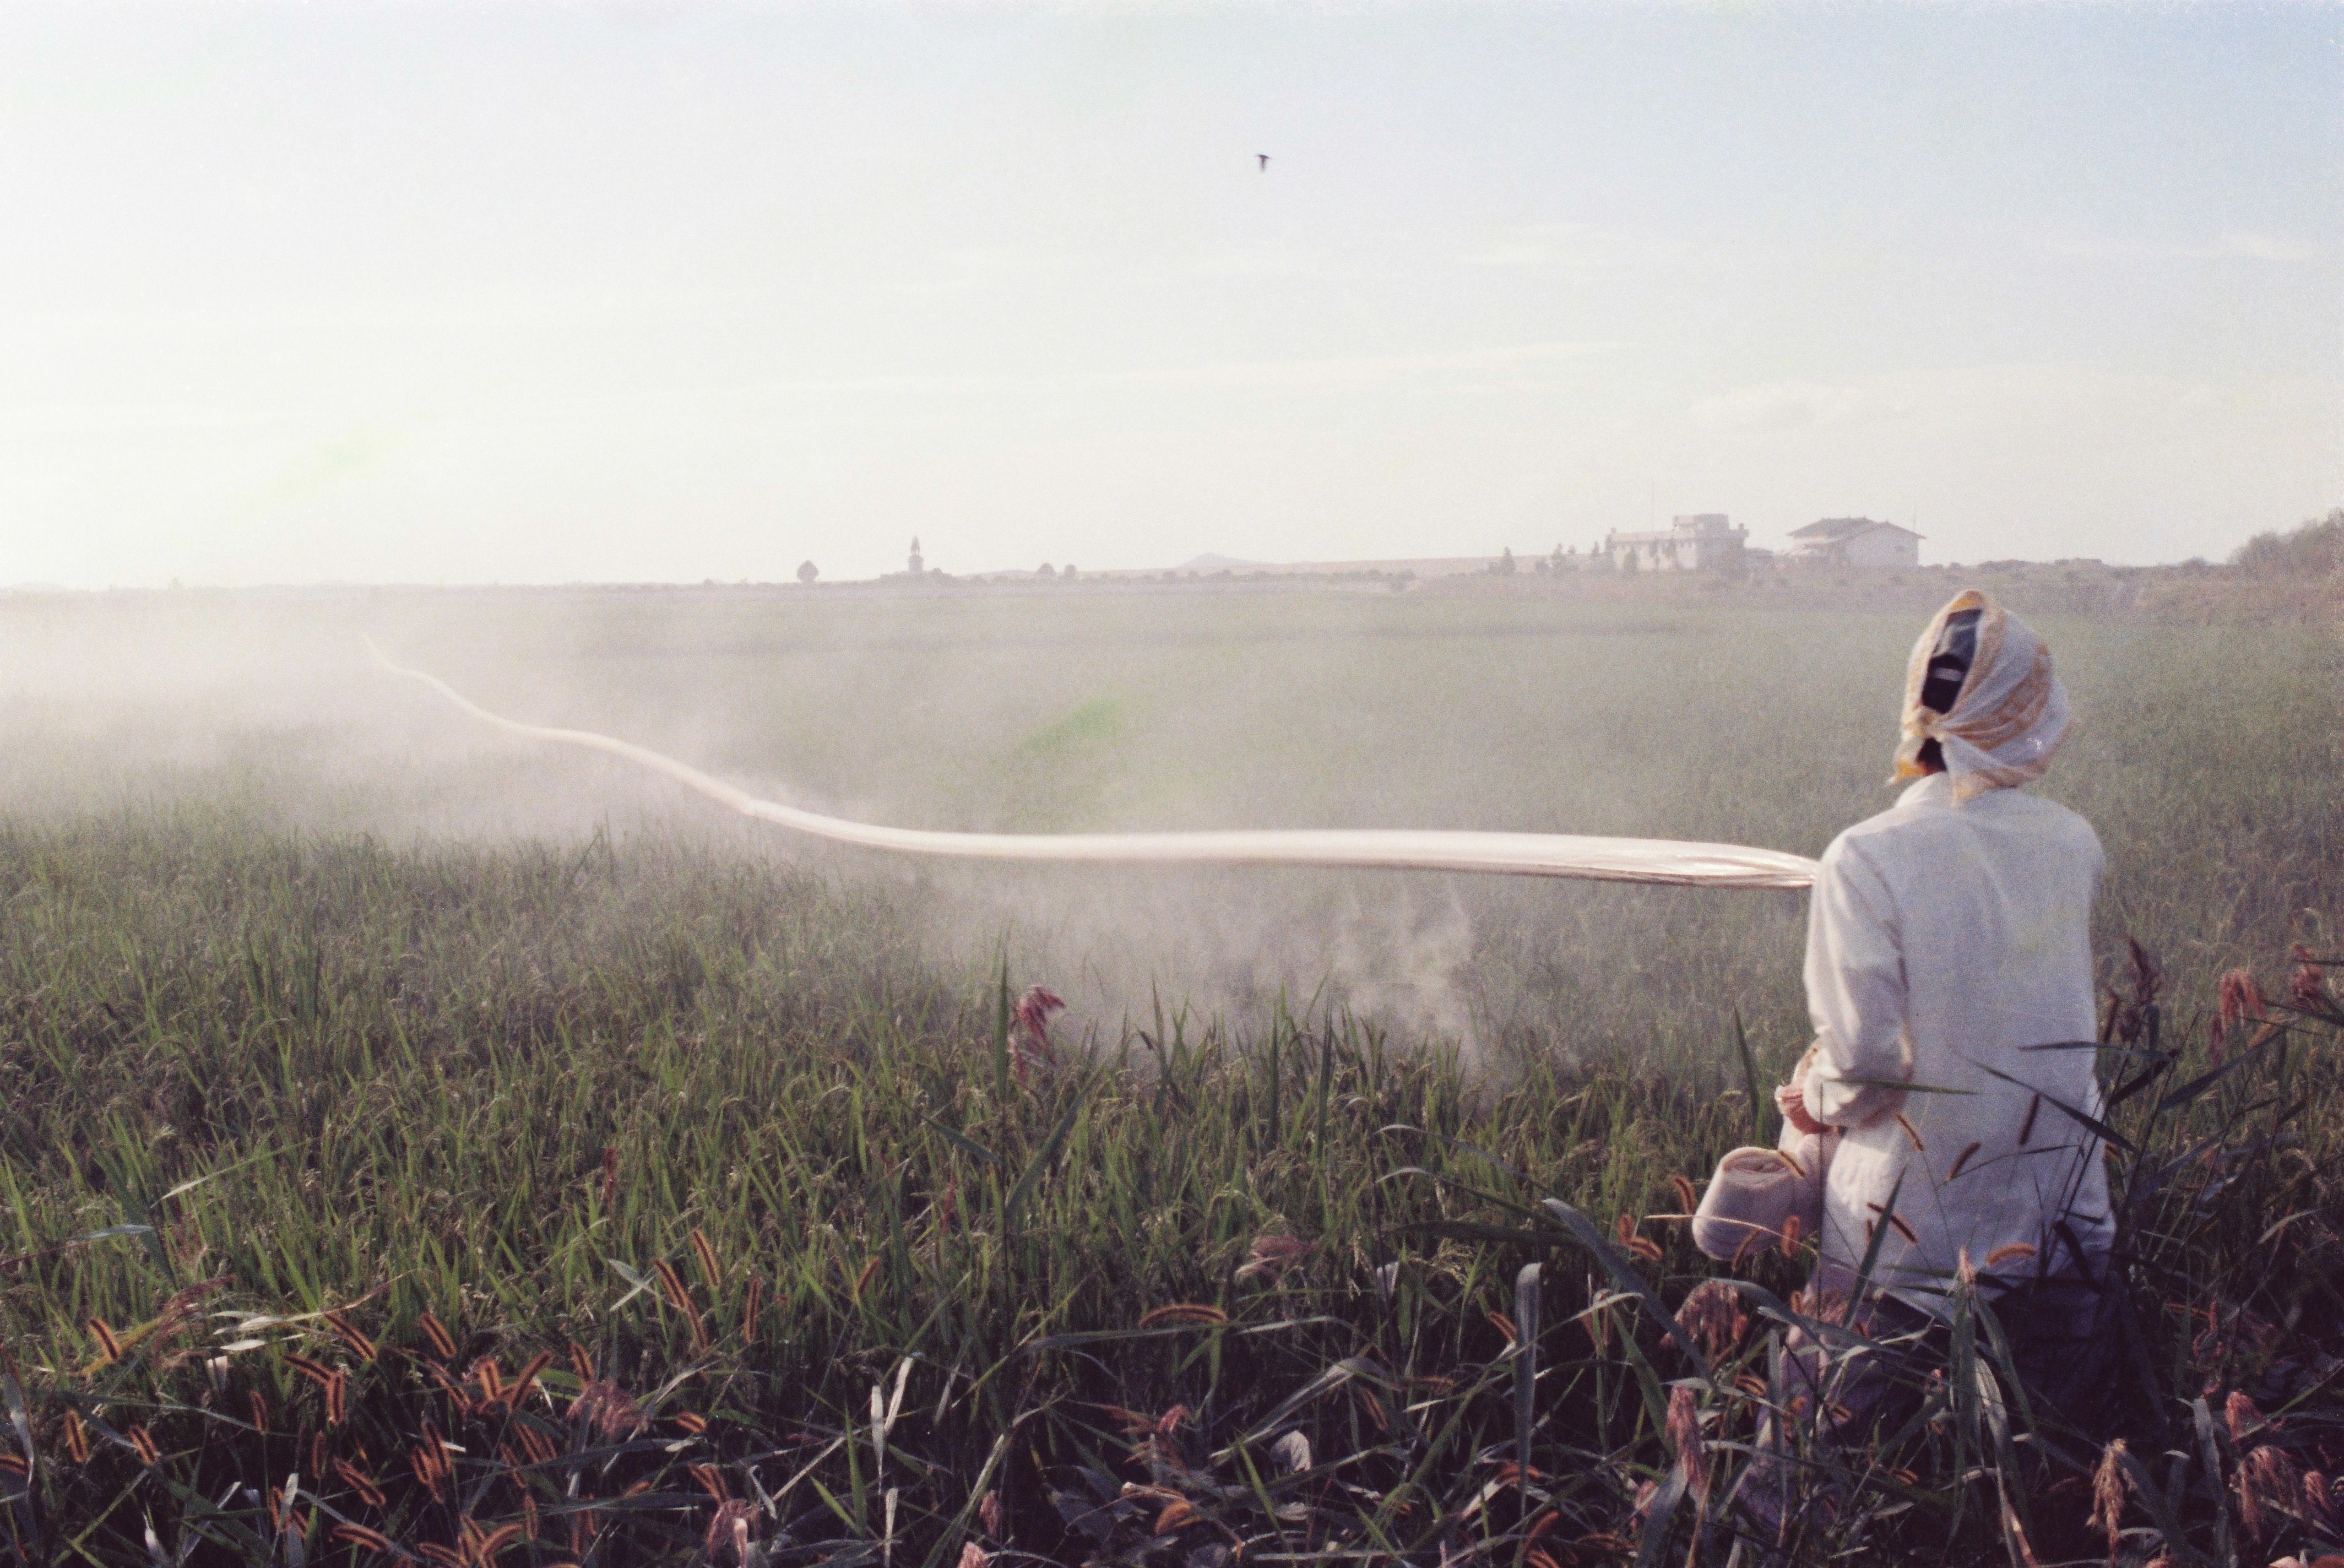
<point>1265,161</point>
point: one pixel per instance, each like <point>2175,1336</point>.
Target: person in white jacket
<point>1949,981</point>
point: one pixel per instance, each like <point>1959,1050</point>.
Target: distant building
<point>1857,541</point>
<point>916,565</point>
<point>1697,542</point>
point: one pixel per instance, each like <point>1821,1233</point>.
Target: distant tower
<point>915,566</point>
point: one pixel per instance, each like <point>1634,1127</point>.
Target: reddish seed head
<point>2239,998</point>
<point>609,1410</point>
<point>2307,988</point>
<point>2268,1485</point>
<point>1712,1318</point>
<point>1688,1200</point>
<point>2319,1501</point>
<point>1034,1009</point>
<point>1684,1438</point>
<point>1029,1039</point>
<point>727,1540</point>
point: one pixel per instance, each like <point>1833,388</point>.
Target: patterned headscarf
<point>2009,716</point>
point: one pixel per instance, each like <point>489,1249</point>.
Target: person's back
<point>1949,941</point>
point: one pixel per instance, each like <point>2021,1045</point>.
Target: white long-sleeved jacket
<point>1943,939</point>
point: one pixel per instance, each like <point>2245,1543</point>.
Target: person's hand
<point>1790,1099</point>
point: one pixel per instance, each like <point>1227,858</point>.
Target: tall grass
<point>710,1136</point>
<point>669,1200</point>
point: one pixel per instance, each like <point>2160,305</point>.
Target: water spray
<point>1665,862</point>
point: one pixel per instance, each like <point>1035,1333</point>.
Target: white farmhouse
<point>1856,542</point>
<point>1697,542</point>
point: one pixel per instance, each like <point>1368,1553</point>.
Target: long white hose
<point>1653,860</point>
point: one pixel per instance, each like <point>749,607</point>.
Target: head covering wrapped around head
<point>2009,716</point>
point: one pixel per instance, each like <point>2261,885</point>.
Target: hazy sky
<point>541,292</point>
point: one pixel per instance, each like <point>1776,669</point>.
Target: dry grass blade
<point>1183,1312</point>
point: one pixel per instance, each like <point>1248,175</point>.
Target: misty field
<point>426,1146</point>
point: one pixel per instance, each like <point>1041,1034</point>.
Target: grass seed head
<point>1754,1243</point>
<point>2238,1000</point>
<point>753,1308</point>
<point>608,1411</point>
<point>704,1255</point>
<point>1034,1009</point>
<point>360,1481</point>
<point>728,1536</point>
<point>1273,1252</point>
<point>2319,1502</point>
<point>2307,985</point>
<point>360,1345</point>
<point>1684,1439</point>
<point>2109,1496</point>
<point>358,1535</point>
<point>1640,1246</point>
<point>1712,1318</point>
<point>2269,1487</point>
<point>443,1343</point>
<point>526,1378</point>
<point>1029,1039</point>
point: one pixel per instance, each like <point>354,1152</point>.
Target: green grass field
<point>313,999</point>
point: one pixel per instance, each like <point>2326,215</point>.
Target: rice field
<point>421,1148</point>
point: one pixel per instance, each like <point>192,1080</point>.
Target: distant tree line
<point>2313,549</point>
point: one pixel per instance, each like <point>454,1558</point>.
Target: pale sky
<point>436,292</point>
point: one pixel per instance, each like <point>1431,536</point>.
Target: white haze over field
<point>259,716</point>
<point>546,293</point>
